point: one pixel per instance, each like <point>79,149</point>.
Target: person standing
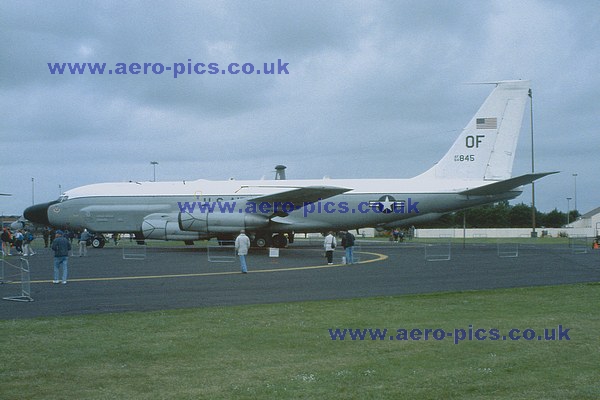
<point>348,244</point>
<point>7,240</point>
<point>61,247</point>
<point>330,244</point>
<point>83,238</point>
<point>242,245</point>
<point>27,239</point>
<point>18,241</point>
<point>46,236</point>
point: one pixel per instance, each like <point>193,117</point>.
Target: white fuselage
<point>122,207</point>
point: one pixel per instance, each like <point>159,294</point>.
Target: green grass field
<point>286,351</point>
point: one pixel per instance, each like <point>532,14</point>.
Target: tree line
<point>502,215</point>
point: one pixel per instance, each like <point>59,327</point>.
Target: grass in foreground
<point>285,350</point>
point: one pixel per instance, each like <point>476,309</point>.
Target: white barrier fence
<point>441,251</point>
<point>578,244</point>
<point>10,271</point>
<point>134,252</point>
<point>221,252</point>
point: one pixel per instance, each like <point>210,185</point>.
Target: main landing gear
<point>98,241</point>
<point>279,240</point>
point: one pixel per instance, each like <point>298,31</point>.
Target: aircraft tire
<point>260,242</point>
<point>280,241</point>
<point>98,242</point>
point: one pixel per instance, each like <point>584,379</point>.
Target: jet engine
<point>218,223</point>
<point>166,227</point>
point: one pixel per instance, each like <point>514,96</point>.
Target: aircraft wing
<point>300,196</point>
<point>505,185</point>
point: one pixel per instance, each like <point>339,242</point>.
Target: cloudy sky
<point>375,89</point>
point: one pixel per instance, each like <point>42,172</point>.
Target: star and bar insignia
<point>387,204</point>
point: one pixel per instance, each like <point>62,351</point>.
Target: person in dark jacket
<point>61,247</point>
<point>46,236</point>
<point>348,244</point>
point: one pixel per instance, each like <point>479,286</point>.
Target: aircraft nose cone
<point>38,213</point>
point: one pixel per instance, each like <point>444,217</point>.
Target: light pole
<point>32,191</point>
<point>568,208</point>
<point>533,232</point>
<point>575,197</point>
<point>154,164</point>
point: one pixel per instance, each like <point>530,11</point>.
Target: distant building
<point>587,225</point>
<point>589,221</point>
<point>8,219</point>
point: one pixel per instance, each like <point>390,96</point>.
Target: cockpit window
<point>63,198</point>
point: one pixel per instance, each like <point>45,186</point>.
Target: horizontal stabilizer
<point>505,185</point>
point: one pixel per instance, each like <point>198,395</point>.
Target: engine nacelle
<point>166,227</point>
<point>217,223</point>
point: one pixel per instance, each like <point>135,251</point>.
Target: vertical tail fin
<point>485,149</point>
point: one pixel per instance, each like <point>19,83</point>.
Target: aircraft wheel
<point>261,242</point>
<point>280,241</point>
<point>98,242</point>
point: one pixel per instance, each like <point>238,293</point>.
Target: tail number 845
<point>464,157</point>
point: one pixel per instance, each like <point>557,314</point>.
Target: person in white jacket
<point>242,245</point>
<point>330,244</point>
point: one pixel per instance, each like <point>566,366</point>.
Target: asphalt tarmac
<point>167,278</point>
